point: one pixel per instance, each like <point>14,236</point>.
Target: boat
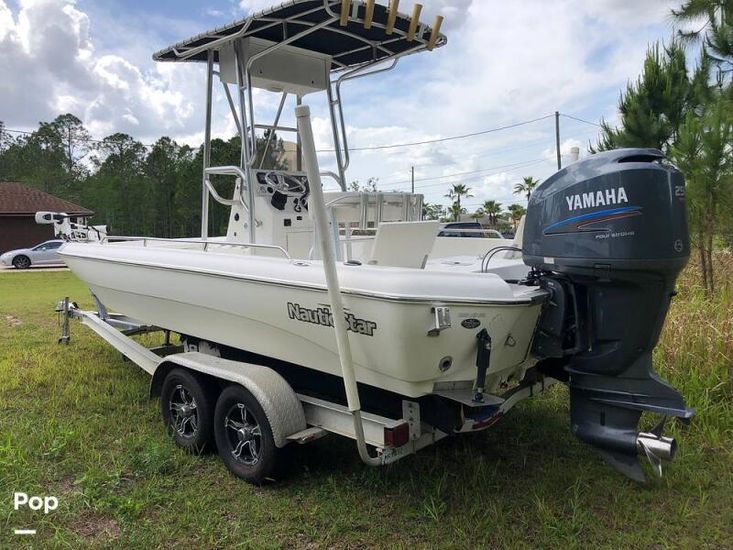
<point>354,298</point>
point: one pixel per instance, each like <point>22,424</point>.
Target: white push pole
<point>317,206</point>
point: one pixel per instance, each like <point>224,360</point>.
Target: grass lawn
<point>76,422</point>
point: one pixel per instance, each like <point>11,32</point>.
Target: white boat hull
<point>278,309</point>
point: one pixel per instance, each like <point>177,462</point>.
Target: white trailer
<point>195,387</point>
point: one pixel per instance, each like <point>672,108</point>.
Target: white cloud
<point>498,187</point>
<point>566,147</point>
<point>254,6</point>
<point>631,11</point>
<point>508,62</point>
<point>49,52</point>
<point>504,62</point>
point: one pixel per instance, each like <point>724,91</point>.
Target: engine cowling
<point>609,236</point>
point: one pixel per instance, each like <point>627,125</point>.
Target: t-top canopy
<point>353,33</point>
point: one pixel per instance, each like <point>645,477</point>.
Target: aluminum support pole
<point>557,140</point>
<point>207,146</point>
<point>247,153</point>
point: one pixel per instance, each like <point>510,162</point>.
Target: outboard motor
<point>607,237</point>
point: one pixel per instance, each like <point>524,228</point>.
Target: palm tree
<point>527,186</point>
<point>478,214</point>
<point>516,211</point>
<point>455,193</point>
<point>433,211</point>
<point>455,210</point>
<point>492,209</point>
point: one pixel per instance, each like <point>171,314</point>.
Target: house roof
<point>17,199</point>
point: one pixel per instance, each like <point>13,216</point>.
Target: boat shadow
<point>528,443</point>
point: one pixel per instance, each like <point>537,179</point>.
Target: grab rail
<point>221,200</point>
<point>204,242</point>
<point>483,233</point>
<point>248,206</point>
<point>332,175</point>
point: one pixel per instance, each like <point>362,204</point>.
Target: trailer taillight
<point>397,436</point>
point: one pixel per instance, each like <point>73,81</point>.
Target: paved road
<point>59,267</point>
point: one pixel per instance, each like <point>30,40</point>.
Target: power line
<point>581,120</point>
<point>532,163</point>
<point>446,176</point>
<point>440,140</point>
<point>490,153</point>
<point>443,184</point>
<point>401,145</point>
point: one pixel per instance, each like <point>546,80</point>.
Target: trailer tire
<point>187,407</point>
<point>244,435</point>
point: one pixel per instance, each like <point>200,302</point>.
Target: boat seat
<point>404,244</point>
<point>517,241</point>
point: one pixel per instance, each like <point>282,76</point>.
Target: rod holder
<point>369,16</point>
<point>392,16</point>
<point>345,5</point>
<point>436,33</point>
<point>414,22</point>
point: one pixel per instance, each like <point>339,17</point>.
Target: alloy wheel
<point>244,434</point>
<point>184,412</point>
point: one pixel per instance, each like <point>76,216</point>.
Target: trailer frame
<point>392,438</point>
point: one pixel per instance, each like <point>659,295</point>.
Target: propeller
<point>656,447</point>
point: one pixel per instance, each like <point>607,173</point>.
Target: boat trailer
<point>306,418</point>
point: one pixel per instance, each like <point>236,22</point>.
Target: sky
<point>505,63</point>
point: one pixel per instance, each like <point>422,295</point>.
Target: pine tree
<point>716,33</point>
<point>704,153</point>
<point>653,107</point>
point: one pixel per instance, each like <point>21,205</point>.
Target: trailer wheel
<point>187,406</point>
<point>243,435</point>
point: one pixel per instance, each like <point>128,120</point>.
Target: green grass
<point>75,422</point>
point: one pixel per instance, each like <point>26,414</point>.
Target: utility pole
<point>557,139</point>
<point>413,179</point>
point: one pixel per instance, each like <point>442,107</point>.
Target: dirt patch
<point>13,321</point>
<point>66,486</point>
<point>97,528</point>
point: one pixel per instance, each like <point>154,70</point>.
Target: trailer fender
<point>282,407</point>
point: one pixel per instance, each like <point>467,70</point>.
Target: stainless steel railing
<point>206,244</point>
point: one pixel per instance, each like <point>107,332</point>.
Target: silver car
<point>42,254</point>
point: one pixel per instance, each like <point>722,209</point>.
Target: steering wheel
<point>286,184</point>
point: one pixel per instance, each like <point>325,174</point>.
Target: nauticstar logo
<point>323,316</point>
<point>597,198</point>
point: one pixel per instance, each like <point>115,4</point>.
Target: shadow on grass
<point>529,441</point>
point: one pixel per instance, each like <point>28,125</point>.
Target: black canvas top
<point>349,46</point>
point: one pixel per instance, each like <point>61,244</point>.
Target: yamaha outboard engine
<point>607,237</point>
